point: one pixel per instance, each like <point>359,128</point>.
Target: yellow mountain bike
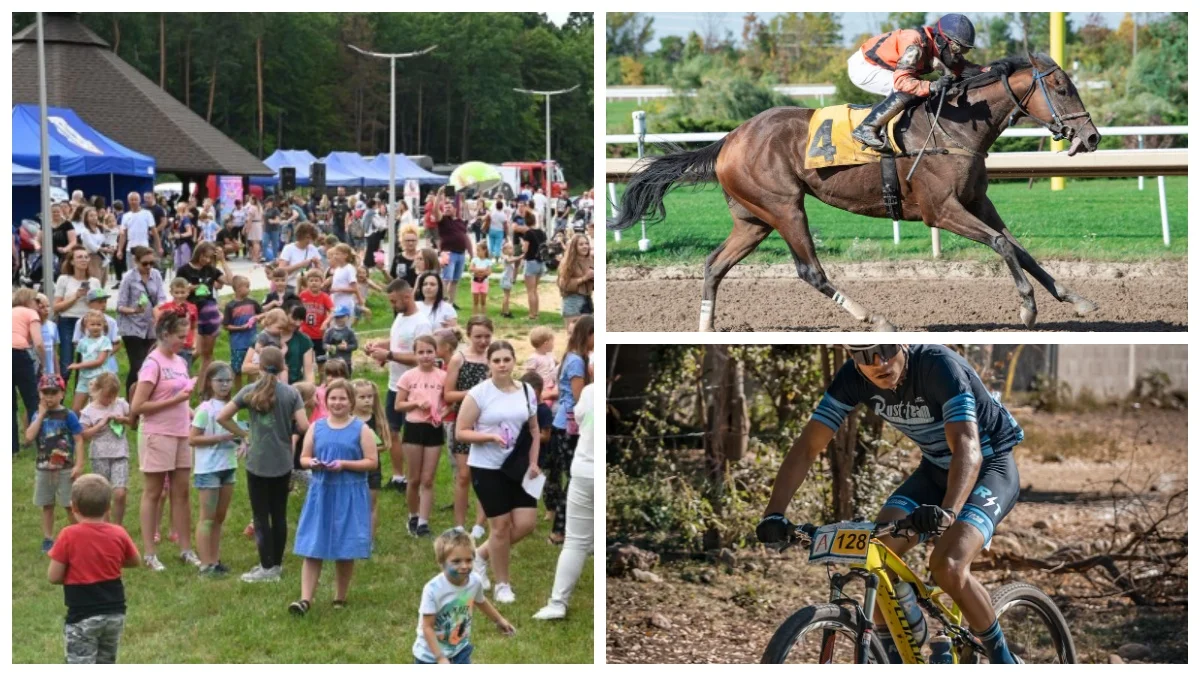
<point>842,631</point>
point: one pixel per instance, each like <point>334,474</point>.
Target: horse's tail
<point>644,195</point>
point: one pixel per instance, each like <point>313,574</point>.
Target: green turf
<point>1101,219</point>
<point>175,617</point>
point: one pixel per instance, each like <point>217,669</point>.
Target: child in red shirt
<point>318,308</point>
<point>86,560</point>
<point>180,288</point>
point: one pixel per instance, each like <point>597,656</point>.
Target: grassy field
<point>1101,219</point>
<point>176,617</point>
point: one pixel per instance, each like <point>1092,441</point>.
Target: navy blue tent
<point>25,176</point>
<point>91,161</point>
<point>406,169</point>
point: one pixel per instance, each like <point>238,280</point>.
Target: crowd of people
<point>288,405</point>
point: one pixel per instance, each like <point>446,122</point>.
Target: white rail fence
<point>1103,163</point>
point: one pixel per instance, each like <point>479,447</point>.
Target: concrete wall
<point>1110,371</point>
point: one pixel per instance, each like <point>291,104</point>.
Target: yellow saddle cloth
<point>829,142</point>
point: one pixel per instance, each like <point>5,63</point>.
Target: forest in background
<point>270,80</point>
<point>732,76</point>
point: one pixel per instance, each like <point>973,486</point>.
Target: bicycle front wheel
<point>1034,627</point>
<point>820,634</point>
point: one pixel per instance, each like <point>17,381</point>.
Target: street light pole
<point>546,172</point>
<point>44,124</point>
<point>391,224</point>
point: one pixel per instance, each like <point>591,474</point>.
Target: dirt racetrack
<point>912,295</point>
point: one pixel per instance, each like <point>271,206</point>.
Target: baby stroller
<point>28,272</point>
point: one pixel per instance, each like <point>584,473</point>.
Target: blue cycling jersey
<point>939,387</point>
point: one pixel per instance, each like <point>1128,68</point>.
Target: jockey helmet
<point>958,29</point>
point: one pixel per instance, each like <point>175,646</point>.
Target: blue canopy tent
<point>91,161</point>
<point>352,165</point>
<point>406,169</point>
<point>301,160</point>
<point>27,192</point>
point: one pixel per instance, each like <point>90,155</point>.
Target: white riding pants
<point>868,76</point>
<point>577,546</point>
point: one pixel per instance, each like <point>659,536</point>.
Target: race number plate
<point>841,543</point>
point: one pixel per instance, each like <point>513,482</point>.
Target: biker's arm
<point>799,460</point>
<point>965,460</point>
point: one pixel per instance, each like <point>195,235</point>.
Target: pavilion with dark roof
<point>84,74</point>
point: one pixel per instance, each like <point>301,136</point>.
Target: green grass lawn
<point>175,617</point>
<point>1100,219</point>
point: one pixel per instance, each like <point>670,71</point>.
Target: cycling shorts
<point>995,493</point>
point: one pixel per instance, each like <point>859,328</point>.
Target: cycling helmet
<point>958,29</point>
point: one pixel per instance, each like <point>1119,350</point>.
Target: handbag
<point>516,465</point>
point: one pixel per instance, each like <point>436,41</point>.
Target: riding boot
<point>869,130</point>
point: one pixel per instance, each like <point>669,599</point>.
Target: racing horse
<point>765,181</point>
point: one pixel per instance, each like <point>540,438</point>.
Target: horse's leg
<point>988,214</point>
<point>952,216</point>
<point>793,226</point>
<point>748,232</point>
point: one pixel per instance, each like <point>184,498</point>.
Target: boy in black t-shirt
<point>87,560</point>
<point>280,296</point>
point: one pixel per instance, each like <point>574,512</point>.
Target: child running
<point>420,399</point>
<point>318,307</point>
<point>215,466</point>
<point>444,617</point>
<point>105,423</point>
<point>87,560</point>
<point>276,410</point>
<point>60,454</point>
<point>93,350</point>
<point>481,269</point>
<point>335,523</point>
<point>368,407</point>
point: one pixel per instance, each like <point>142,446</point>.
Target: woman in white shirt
<point>499,419</point>
<point>580,495</point>
<point>438,311</point>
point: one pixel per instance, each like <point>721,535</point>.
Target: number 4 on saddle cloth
<point>829,142</point>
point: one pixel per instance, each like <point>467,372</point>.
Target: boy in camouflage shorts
<point>87,559</point>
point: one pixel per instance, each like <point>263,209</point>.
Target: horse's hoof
<point>1028,316</point>
<point>1083,307</point>
<point>882,325</point>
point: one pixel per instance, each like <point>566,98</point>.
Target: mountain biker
<point>964,486</point>
<point>891,65</point>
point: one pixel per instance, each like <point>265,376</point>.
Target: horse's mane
<point>1001,68</point>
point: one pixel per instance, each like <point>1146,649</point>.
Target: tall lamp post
<point>44,125</point>
<point>546,172</point>
<point>391,225</point>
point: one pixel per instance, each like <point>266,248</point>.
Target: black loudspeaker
<point>316,174</point>
<point>287,178</point>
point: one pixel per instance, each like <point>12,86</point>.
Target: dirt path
<point>1127,304</point>
<point>716,613</point>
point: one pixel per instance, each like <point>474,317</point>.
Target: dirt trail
<point>943,304</point>
<point>716,613</point>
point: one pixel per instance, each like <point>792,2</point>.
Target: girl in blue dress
<point>336,521</point>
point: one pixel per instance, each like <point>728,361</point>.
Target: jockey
<point>891,64</point>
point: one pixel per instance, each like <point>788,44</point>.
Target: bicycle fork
<point>865,612</point>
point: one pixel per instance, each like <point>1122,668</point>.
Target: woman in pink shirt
<point>161,403</point>
<point>26,352</point>
<point>420,399</point>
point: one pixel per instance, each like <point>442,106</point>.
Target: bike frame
<point>877,573</point>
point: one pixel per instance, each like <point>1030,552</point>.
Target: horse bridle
<point>1058,129</point>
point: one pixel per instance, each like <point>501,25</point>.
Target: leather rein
<point>1055,124</point>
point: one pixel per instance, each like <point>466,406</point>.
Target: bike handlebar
<point>803,533</point>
